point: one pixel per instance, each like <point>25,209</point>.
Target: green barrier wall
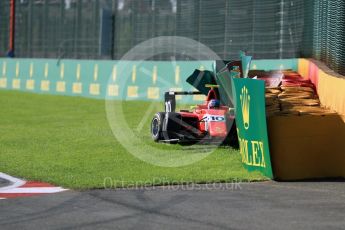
<point>121,80</point>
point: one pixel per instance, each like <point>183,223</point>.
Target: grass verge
<point>67,141</point>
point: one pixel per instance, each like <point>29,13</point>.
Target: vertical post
<point>153,28</point>
<point>134,8</point>
<point>253,26</point>
<point>29,25</point>
<point>60,34</point>
<point>78,38</point>
<point>113,31</point>
<point>96,27</point>
<point>281,33</point>
<point>225,57</point>
<point>10,52</point>
<point>199,27</point>
<point>45,35</point>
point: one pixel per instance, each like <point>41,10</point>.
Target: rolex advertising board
<point>249,98</point>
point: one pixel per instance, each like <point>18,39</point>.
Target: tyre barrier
<point>306,132</point>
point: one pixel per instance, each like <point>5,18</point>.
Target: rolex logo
<point>245,105</point>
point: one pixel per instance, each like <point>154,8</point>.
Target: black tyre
<point>232,139</point>
<point>157,126</point>
<point>171,125</point>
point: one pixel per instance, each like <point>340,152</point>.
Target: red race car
<point>210,122</point>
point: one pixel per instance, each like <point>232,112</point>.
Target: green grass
<point>67,141</point>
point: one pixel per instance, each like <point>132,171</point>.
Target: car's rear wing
<point>170,98</point>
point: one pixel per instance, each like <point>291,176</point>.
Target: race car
<point>209,122</point>
<point>212,121</point>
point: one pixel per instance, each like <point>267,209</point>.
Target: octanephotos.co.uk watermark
<point>165,184</point>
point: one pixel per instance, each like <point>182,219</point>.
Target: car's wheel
<point>156,126</point>
<point>231,139</point>
<point>171,126</point>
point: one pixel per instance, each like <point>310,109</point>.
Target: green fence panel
<point>120,80</point>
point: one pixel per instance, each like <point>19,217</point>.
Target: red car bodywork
<point>203,121</point>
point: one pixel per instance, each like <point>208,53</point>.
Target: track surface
<point>267,205</point>
<point>4,182</point>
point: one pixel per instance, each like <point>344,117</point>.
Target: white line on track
<point>15,182</point>
<point>17,187</point>
<point>34,190</point>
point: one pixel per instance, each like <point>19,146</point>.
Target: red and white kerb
<point>21,188</point>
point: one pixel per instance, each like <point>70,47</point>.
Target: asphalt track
<point>266,205</point>
<point>4,182</point>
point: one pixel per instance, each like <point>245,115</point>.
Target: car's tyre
<point>171,125</point>
<point>232,139</point>
<point>157,126</point>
